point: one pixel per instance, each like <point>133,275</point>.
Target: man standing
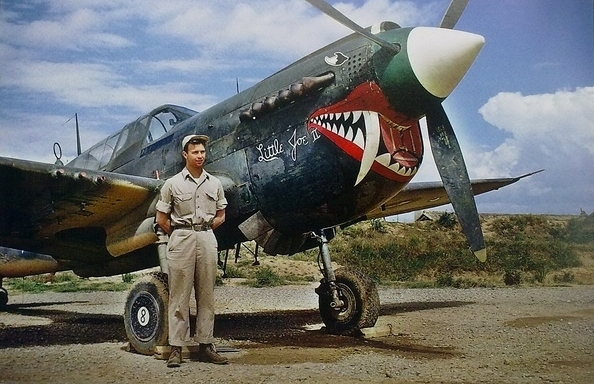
<point>191,205</point>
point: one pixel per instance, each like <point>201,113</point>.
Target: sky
<point>526,104</point>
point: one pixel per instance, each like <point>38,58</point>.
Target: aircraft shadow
<point>66,327</point>
<point>276,328</point>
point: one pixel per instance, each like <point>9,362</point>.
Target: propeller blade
<point>451,167</point>
<point>453,13</point>
<point>329,10</point>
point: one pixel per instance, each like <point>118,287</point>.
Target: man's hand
<point>218,219</point>
<point>164,222</point>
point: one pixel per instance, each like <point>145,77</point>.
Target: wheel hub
<point>144,316</point>
<point>345,312</point>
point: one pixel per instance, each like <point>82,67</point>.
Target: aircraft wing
<point>50,209</point>
<point>424,195</point>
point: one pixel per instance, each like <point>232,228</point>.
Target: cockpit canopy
<point>122,146</point>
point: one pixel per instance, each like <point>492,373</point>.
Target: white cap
<point>186,139</point>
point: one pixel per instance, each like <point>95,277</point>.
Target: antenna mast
<point>78,150</point>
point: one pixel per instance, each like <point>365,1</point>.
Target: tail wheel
<point>361,302</point>
<point>145,314</point>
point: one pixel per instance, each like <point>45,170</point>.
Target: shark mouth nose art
<point>366,128</point>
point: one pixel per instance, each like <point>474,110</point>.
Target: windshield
<point>165,119</point>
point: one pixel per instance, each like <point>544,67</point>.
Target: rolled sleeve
<point>221,201</point>
<point>163,207</point>
<point>164,203</point>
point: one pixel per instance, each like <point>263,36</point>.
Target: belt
<point>194,227</point>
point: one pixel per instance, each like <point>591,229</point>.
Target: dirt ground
<point>271,335</point>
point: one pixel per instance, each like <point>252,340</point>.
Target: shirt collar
<point>186,174</point>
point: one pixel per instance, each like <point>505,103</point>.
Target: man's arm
<point>163,207</point>
<point>164,221</point>
<point>218,219</point>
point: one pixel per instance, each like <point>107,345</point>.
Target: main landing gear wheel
<point>360,299</point>
<point>145,314</point>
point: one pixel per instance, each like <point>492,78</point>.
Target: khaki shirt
<point>191,201</point>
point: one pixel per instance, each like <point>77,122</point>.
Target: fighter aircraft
<point>328,141</point>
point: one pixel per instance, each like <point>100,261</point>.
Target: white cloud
<point>198,65</point>
<point>554,132</point>
<point>551,131</point>
<point>500,162</point>
<point>78,29</point>
<point>96,85</point>
<point>550,123</point>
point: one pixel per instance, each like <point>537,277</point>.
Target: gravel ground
<point>507,335</point>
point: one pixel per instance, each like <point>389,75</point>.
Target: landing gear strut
<point>3,297</point>
<point>348,299</point>
<point>223,264</point>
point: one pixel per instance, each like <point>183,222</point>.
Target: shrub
<point>378,225</point>
<point>266,277</point>
<point>512,277</point>
<point>127,278</point>
<point>444,280</point>
<point>65,277</point>
<point>447,220</point>
<point>566,277</point>
<point>581,229</point>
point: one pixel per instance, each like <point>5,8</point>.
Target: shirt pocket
<point>184,203</point>
<point>211,201</point>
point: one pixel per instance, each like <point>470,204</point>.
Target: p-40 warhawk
<point>328,141</point>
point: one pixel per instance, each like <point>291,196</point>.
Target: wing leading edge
<point>424,195</point>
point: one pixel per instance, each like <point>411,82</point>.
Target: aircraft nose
<point>440,57</point>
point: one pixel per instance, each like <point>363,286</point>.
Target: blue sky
<point>526,104</point>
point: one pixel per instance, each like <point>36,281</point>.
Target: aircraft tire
<point>145,313</point>
<point>361,299</point>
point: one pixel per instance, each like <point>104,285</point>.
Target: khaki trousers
<point>192,262</point>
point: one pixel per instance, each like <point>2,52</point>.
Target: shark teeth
<point>362,128</point>
<point>372,125</point>
<point>385,160</point>
<point>348,125</point>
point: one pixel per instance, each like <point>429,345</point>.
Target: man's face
<point>195,156</point>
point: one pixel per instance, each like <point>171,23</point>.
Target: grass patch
<point>265,277</point>
<point>66,282</point>
<point>235,272</point>
<point>26,284</point>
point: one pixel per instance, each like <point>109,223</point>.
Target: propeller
<point>453,173</point>
<point>342,19</point>
<point>444,145</point>
<point>453,13</point>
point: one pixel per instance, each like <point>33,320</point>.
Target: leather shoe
<point>208,354</point>
<point>175,357</point>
